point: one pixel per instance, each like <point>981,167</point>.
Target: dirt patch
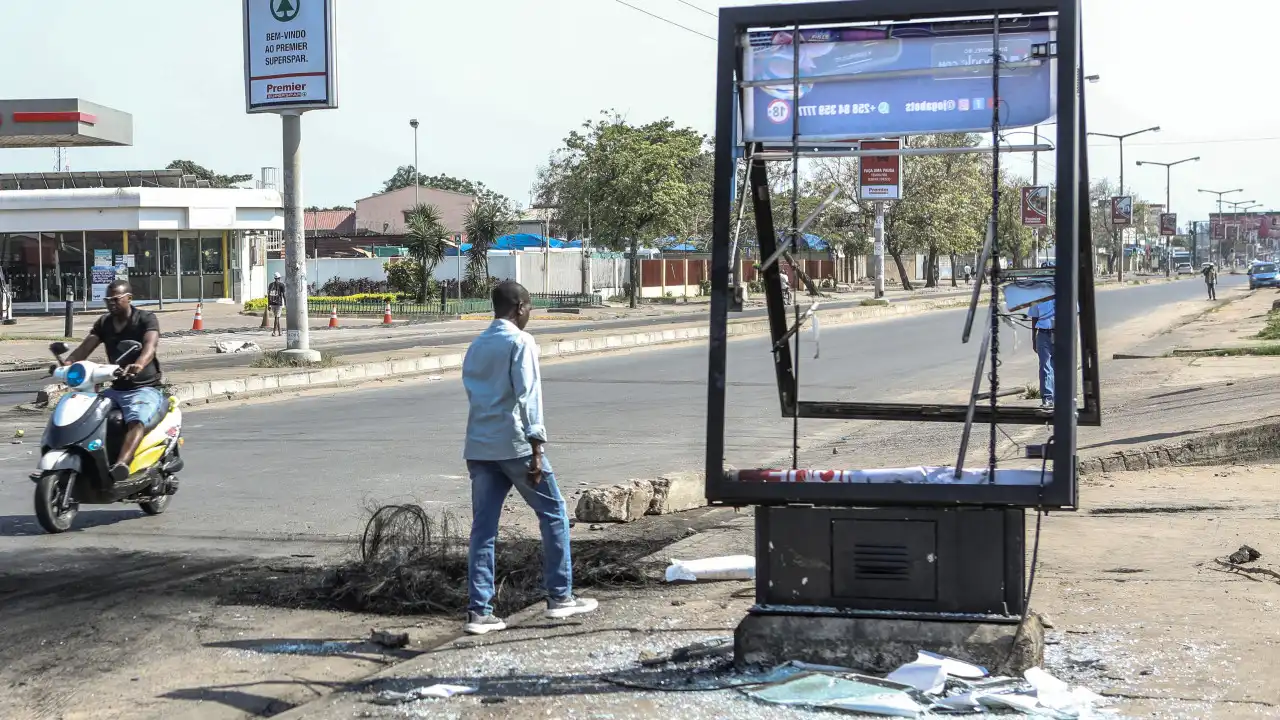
<point>414,562</point>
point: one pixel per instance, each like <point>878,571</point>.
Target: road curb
<point>211,391</point>
<point>1256,441</point>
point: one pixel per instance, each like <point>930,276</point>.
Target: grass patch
<point>1255,351</point>
<point>1272,329</point>
<point>875,302</point>
<point>277,359</point>
<point>1031,392</point>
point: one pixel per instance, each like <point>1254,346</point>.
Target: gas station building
<point>174,237</point>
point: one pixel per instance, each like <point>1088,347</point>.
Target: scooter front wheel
<point>56,509</point>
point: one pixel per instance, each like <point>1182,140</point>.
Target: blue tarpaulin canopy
<point>808,241</point>
<point>671,243</point>
<point>524,241</point>
<point>451,251</point>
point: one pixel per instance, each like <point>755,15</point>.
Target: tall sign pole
<point>289,69</point>
<point>880,180</point>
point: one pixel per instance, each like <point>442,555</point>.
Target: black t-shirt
<point>275,293</point>
<point>135,328</point>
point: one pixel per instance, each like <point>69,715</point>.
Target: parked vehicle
<point>1183,269</point>
<point>1263,274</point>
<point>83,439</point>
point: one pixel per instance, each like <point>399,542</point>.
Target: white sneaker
<point>478,624</point>
<point>561,609</point>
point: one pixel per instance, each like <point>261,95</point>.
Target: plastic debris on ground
<point>930,685</point>
<point>236,346</point>
<point>441,691</point>
<point>841,692</point>
<point>729,567</point>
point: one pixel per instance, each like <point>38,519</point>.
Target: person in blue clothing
<point>505,449</point>
<point>1042,336</point>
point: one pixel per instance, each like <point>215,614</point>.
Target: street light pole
<point>414,124</point>
<point>1168,203</point>
<point>1121,139</point>
<point>1221,220</point>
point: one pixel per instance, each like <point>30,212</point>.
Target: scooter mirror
<point>58,348</point>
<point>128,350</point>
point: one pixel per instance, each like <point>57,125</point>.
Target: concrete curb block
<point>1258,441</point>
<point>210,391</point>
<point>627,502</point>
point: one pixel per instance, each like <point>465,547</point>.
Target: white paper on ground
<point>729,567</point>
<point>927,676</point>
<point>1058,695</point>
<point>235,346</point>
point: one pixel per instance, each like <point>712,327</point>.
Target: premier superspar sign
<point>289,55</point>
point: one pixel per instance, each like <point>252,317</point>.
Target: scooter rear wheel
<point>155,507</point>
<point>56,509</point>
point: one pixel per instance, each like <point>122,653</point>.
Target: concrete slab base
<point>877,645</point>
<point>301,355</point>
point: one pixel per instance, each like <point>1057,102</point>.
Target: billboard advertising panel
<point>1122,210</point>
<point>289,55</point>
<point>920,78</point>
<point>1035,206</point>
<point>880,176</point>
<point>1168,223</point>
<point>1261,225</point>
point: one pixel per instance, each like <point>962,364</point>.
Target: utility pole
<point>298,335</point>
<point>1121,139</point>
<point>416,175</point>
<point>1236,208</point>
<point>1168,202</point>
<point>1035,180</point>
<point>1221,220</point>
<point>879,249</point>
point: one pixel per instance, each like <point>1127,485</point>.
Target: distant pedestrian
<point>968,273</point>
<point>1211,280</point>
<point>1042,336</point>
<point>504,448</point>
<point>275,303</point>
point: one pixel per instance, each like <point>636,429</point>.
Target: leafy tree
<point>317,208</point>
<point>403,178</point>
<point>627,183</point>
<point>405,277</point>
<point>486,221</point>
<point>427,238</point>
<point>204,173</point>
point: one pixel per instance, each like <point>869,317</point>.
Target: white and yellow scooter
<point>83,439</point>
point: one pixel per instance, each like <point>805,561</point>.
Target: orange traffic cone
<point>386,314</point>
<point>333,317</point>
<point>198,323</point>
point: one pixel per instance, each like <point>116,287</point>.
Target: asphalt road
<point>21,384</point>
<point>294,475</point>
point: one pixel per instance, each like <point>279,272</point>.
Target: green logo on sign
<point>284,10</point>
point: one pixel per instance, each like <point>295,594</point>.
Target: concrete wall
<point>564,271</point>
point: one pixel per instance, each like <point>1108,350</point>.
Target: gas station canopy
<point>69,122</point>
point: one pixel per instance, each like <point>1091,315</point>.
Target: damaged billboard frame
<point>905,66</point>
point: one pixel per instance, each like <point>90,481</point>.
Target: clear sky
<point>497,84</point>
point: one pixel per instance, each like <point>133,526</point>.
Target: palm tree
<point>486,221</point>
<point>427,237</point>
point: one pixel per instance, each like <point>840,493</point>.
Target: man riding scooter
<point>136,392</point>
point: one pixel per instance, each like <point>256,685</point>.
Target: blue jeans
<point>142,405</point>
<point>491,481</point>
<point>1044,350</point>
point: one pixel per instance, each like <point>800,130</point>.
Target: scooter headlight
<point>76,375</point>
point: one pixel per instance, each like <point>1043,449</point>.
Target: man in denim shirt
<point>1042,315</point>
<point>504,449</point>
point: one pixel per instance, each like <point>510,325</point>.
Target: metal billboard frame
<point>330,67</point>
<point>1072,275</point>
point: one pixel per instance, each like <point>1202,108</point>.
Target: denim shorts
<point>144,405</point>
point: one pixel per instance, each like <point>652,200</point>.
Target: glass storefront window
<point>20,257</point>
<point>64,266</point>
<point>144,276</point>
